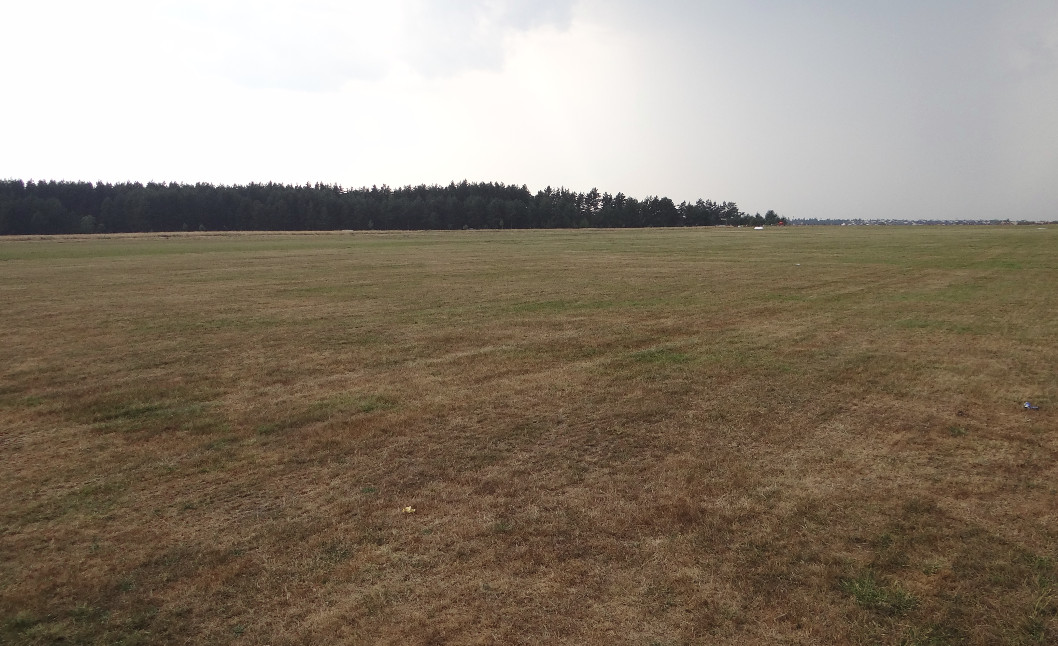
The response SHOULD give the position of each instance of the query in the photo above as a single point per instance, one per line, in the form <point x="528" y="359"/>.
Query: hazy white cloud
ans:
<point x="322" y="44"/>
<point x="451" y="37"/>
<point x="312" y="45"/>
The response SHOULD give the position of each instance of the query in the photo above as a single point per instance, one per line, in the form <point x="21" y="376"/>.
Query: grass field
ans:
<point x="797" y="436"/>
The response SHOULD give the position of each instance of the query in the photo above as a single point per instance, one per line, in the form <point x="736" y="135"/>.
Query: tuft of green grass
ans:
<point x="869" y="592"/>
<point x="336" y="408"/>
<point x="149" y="415"/>
<point x="21" y="621"/>
<point x="662" y="356"/>
<point x="372" y="403"/>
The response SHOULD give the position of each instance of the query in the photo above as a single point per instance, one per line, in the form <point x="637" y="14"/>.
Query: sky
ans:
<point x="936" y="109"/>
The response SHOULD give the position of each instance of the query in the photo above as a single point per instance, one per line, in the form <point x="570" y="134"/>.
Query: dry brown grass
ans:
<point x="798" y="436"/>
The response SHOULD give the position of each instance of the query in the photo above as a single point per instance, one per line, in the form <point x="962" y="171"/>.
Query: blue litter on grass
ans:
<point x="1029" y="406"/>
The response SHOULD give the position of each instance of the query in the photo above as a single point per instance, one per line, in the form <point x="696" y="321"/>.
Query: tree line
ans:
<point x="50" y="207"/>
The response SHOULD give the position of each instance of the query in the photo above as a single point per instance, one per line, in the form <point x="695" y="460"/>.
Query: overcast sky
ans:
<point x="841" y="108"/>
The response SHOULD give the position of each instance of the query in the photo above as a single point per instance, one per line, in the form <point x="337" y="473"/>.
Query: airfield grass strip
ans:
<point x="800" y="435"/>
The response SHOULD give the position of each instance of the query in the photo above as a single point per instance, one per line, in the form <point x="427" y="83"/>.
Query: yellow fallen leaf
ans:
<point x="409" y="510"/>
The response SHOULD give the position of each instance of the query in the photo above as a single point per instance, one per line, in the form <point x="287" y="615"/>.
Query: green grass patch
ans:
<point x="662" y="356"/>
<point x="874" y="595"/>
<point x="152" y="416"/>
<point x="338" y="407"/>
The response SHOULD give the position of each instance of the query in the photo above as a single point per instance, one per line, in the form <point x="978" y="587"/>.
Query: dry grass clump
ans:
<point x="799" y="436"/>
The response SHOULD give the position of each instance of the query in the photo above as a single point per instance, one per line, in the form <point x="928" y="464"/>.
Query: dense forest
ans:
<point x="32" y="208"/>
